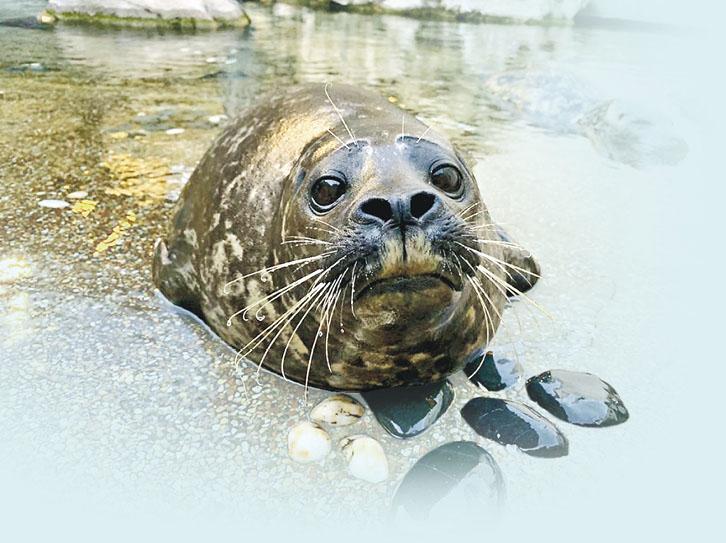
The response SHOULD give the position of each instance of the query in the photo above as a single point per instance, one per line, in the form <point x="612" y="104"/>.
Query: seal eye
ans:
<point x="447" y="178"/>
<point x="326" y="192"/>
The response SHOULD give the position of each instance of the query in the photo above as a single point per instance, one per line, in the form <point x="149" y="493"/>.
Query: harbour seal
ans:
<point x="336" y="240"/>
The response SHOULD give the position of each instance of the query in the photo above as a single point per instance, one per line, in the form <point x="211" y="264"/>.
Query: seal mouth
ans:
<point x="408" y="283"/>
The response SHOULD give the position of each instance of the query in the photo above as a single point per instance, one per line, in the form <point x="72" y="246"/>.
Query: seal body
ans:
<point x="334" y="239"/>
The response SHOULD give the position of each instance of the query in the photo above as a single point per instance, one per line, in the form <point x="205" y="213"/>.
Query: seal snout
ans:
<point x="397" y="210"/>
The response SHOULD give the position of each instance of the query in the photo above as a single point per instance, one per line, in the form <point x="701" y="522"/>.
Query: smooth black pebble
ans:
<point x="579" y="398"/>
<point x="459" y="475"/>
<point x="407" y="411"/>
<point x="493" y="373"/>
<point x="511" y="423"/>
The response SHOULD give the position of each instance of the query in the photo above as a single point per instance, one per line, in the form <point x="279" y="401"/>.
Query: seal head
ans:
<point x="339" y="242"/>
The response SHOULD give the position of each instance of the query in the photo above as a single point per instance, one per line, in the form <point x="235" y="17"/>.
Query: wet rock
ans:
<point x="31" y="67"/>
<point x="510" y="423"/>
<point x="493" y="373"/>
<point x="308" y="442"/>
<point x="191" y="13"/>
<point x="579" y="398"/>
<point x="366" y="459"/>
<point x="481" y="10"/>
<point x="338" y="410"/>
<point x="457" y="477"/>
<point x="407" y="411"/>
<point x="28" y="23"/>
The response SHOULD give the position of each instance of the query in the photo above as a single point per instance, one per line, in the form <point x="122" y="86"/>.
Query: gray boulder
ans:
<point x="194" y="13"/>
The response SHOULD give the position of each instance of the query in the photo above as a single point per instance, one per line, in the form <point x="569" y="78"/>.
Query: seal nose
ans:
<point x="406" y="209"/>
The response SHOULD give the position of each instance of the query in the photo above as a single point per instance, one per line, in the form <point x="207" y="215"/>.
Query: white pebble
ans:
<point x="366" y="459"/>
<point x="175" y="131"/>
<point x="216" y="119"/>
<point x="78" y="195"/>
<point x="338" y="410"/>
<point x="308" y="442"/>
<point x="55" y="204"/>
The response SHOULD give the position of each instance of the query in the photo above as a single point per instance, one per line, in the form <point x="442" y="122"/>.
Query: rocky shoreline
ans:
<point x="216" y="14"/>
<point x="181" y="14"/>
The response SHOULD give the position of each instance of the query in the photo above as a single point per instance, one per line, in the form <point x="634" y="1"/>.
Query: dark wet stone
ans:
<point x="579" y="398"/>
<point x="33" y="67"/>
<point x="28" y="23"/>
<point x="511" y="423"/>
<point x="493" y="373"/>
<point x="460" y="475"/>
<point x="407" y="411"/>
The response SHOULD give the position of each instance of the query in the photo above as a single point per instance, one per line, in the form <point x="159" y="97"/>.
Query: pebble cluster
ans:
<point x="310" y="442"/>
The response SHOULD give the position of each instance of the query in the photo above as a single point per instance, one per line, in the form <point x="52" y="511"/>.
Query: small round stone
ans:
<point x="308" y="442"/>
<point x="578" y="398"/>
<point x="512" y="423"/>
<point x="77" y="195"/>
<point x="366" y="458"/>
<point x="53" y="204"/>
<point x="338" y="410"/>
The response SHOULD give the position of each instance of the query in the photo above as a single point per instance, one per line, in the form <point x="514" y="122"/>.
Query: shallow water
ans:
<point x="114" y="404"/>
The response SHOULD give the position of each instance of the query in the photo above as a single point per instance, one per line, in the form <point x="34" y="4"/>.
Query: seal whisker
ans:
<point x="325" y="302"/>
<point x="500" y="243"/>
<point x="350" y="132"/>
<point x="480" y="288"/>
<point x="487" y="317"/>
<point x="506" y="285"/>
<point x="465" y="211"/>
<point x="272" y="296"/>
<point x="306" y="260"/>
<point x="257" y="340"/>
<point x="327" y="318"/>
<point x="282" y="323"/>
<point x="333" y="228"/>
<point x="424" y="133"/>
<point x="352" y="290"/>
<point x="499" y="262"/>
<point x="337" y="138"/>
<point x="293" y="239"/>
<point x="313" y="304"/>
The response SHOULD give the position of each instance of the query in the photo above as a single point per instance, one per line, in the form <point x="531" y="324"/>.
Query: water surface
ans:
<point x="114" y="404"/>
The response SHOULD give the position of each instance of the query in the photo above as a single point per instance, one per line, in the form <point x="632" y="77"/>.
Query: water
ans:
<point x="114" y="406"/>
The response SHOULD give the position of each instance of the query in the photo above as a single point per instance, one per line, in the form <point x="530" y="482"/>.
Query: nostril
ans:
<point x="378" y="208"/>
<point x="422" y="203"/>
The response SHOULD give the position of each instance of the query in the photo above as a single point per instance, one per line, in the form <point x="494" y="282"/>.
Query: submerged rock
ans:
<point x="634" y="135"/>
<point x="308" y="442"/>
<point x="511" y="423"/>
<point x="366" y="458"/>
<point x="407" y="411"/>
<point x="338" y="410"/>
<point x="457" y="477"/>
<point x="186" y="13"/>
<point x="579" y="398"/>
<point x="481" y="10"/>
<point x="492" y="373"/>
<point x="28" y="23"/>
